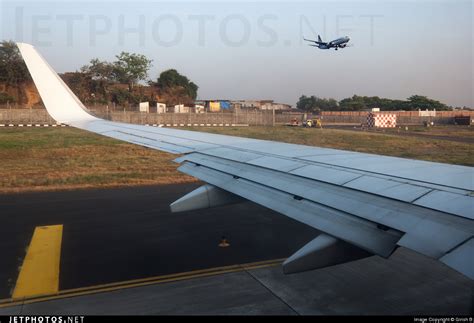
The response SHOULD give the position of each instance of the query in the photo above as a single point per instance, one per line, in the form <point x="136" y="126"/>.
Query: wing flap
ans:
<point x="430" y="232"/>
<point x="462" y="205"/>
<point x="461" y="258"/>
<point x="388" y="188"/>
<point x="433" y="239"/>
<point x="381" y="187"/>
<point x="405" y="169"/>
<point x="359" y="232"/>
<point x="362" y="204"/>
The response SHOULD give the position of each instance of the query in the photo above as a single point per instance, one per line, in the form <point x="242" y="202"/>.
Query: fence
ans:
<point x="25" y="116"/>
<point x="403" y="117"/>
<point x="11" y="115"/>
<point x="242" y="117"/>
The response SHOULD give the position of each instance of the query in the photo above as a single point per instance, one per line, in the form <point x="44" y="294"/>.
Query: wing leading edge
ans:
<point x="365" y="204"/>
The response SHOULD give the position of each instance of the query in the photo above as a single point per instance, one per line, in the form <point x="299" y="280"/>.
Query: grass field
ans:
<point x="68" y="158"/>
<point x="65" y="158"/>
<point x="458" y="132"/>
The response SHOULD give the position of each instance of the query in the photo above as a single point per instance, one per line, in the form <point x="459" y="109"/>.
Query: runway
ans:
<point x="123" y="252"/>
<point x="121" y="234"/>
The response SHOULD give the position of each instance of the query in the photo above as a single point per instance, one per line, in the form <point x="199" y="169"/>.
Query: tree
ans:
<point x="358" y="103"/>
<point x="418" y="102"/>
<point x="306" y="103"/>
<point x="6" y="98"/>
<point x="98" y="74"/>
<point x="88" y="90"/>
<point x="415" y="102"/>
<point x="131" y="68"/>
<point x="316" y="104"/>
<point x="96" y="77"/>
<point x="171" y="78"/>
<point x="99" y="70"/>
<point x="176" y="88"/>
<point x="13" y="69"/>
<point x="124" y="97"/>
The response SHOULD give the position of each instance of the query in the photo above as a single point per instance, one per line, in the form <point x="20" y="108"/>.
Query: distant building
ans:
<point x="427" y="113"/>
<point x="218" y="105"/>
<point x="371" y="110"/>
<point x="261" y="105"/>
<point x="180" y="108"/>
<point x="144" y="107"/>
<point x="160" y="108"/>
<point x="214" y="106"/>
<point x="199" y="108"/>
<point x="275" y="106"/>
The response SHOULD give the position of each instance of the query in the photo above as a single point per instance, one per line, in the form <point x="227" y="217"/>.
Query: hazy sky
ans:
<point x="254" y="49"/>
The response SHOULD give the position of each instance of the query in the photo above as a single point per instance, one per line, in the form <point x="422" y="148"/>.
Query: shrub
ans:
<point x="5" y="98"/>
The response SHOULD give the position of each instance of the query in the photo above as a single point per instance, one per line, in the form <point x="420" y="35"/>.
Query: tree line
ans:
<point x="358" y="103"/>
<point x="123" y="81"/>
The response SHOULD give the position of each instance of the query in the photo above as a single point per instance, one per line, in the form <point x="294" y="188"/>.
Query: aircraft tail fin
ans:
<point x="319" y="39"/>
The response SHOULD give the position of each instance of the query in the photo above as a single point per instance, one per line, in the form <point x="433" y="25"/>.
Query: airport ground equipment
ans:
<point x="313" y="123"/>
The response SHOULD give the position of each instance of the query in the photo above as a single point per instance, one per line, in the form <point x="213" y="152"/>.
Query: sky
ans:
<point x="254" y="49"/>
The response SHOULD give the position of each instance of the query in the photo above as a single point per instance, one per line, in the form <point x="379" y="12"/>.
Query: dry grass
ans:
<point x="424" y="148"/>
<point x="39" y="159"/>
<point x="66" y="158"/>
<point x="447" y="131"/>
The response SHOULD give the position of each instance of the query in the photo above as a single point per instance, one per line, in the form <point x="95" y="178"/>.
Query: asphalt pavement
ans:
<point x="113" y="235"/>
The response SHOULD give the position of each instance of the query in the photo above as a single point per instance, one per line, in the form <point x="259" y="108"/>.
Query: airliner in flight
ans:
<point x="336" y="44"/>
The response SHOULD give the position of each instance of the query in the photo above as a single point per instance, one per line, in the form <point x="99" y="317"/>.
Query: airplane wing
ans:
<point x="315" y="41"/>
<point x="364" y="204"/>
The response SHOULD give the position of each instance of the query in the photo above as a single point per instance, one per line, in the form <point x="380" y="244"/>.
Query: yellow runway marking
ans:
<point x="143" y="282"/>
<point x="39" y="274"/>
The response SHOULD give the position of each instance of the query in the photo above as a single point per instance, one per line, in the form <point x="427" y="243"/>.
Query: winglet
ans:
<point x="58" y="99"/>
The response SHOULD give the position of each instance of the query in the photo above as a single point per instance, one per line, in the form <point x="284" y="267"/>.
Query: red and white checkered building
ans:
<point x="379" y="120"/>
